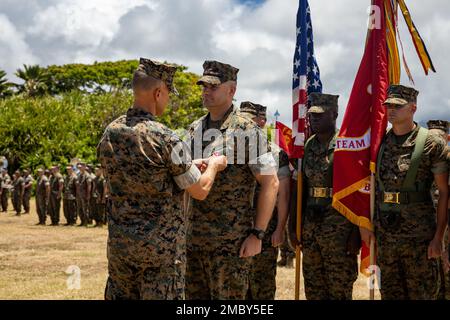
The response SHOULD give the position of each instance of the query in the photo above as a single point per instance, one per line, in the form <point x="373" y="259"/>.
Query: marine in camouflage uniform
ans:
<point x="18" y="189"/>
<point x="441" y="127"/>
<point x="409" y="237"/>
<point x="5" y="188"/>
<point x="12" y="191"/>
<point x="329" y="267"/>
<point x="42" y="196"/>
<point x="56" y="188"/>
<point x="147" y="178"/>
<point x="223" y="227"/>
<point x="262" y="285"/>
<point x="69" y="198"/>
<point x="78" y="192"/>
<point x="28" y="185"/>
<point x="84" y="194"/>
<point x="99" y="197"/>
<point x="91" y="202"/>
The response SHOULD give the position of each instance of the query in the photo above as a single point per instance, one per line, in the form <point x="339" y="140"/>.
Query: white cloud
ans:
<point x="13" y="49"/>
<point x="258" y="40"/>
<point x="84" y="23"/>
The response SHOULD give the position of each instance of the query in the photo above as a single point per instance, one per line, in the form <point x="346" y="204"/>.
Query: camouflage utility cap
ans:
<point x="253" y="109"/>
<point x="321" y="102"/>
<point x="438" y="124"/>
<point x="215" y="73"/>
<point x="401" y="95"/>
<point x="158" y="70"/>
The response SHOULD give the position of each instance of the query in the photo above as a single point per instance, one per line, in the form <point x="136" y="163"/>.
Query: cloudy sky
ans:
<point x="257" y="36"/>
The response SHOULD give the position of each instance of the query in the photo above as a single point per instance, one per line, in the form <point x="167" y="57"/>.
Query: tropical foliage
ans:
<point x="39" y="129"/>
<point x="5" y="86"/>
<point x="36" y="80"/>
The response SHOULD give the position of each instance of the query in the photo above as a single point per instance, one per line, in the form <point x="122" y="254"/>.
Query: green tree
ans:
<point x="187" y="106"/>
<point x="5" y="86"/>
<point x="36" y="80"/>
<point x="93" y="78"/>
<point x="42" y="130"/>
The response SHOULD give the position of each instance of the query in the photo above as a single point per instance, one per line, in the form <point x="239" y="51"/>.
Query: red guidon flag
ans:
<point x="363" y="128"/>
<point x="284" y="137"/>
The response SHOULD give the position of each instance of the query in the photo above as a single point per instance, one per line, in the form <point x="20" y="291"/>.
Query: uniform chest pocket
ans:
<point x="315" y="169"/>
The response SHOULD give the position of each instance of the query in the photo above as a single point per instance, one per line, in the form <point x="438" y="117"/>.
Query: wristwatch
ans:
<point x="257" y="233"/>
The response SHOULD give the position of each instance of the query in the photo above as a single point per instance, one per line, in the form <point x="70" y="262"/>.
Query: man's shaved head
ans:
<point x="142" y="81"/>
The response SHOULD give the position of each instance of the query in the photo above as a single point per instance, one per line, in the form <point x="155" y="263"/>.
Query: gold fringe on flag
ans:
<point x="421" y="49"/>
<point x="393" y="55"/>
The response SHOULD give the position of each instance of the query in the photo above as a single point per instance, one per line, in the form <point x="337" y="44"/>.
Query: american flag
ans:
<point x="306" y="76"/>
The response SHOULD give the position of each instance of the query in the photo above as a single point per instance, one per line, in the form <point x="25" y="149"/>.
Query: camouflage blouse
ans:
<point x="417" y="219"/>
<point x="221" y="222"/>
<point x="146" y="178"/>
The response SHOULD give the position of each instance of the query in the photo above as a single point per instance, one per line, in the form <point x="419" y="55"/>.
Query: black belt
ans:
<point x="405" y="197"/>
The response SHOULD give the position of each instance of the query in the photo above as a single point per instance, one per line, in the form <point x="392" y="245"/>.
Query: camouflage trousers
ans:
<point x="17" y="202"/>
<point x="83" y="211"/>
<point x="444" y="290"/>
<point x="212" y="276"/>
<point x="406" y="271"/>
<point x="26" y="201"/>
<point x="447" y="286"/>
<point x="263" y="273"/>
<point x="91" y="210"/>
<point x="4" y="199"/>
<point x="41" y="209"/>
<point x="128" y="280"/>
<point x="79" y="207"/>
<point x="328" y="271"/>
<point x="70" y="210"/>
<point x="99" y="213"/>
<point x="54" y="209"/>
<point x="108" y="208"/>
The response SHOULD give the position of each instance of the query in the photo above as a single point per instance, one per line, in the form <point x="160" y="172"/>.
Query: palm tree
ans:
<point x="5" y="86"/>
<point x="35" y="80"/>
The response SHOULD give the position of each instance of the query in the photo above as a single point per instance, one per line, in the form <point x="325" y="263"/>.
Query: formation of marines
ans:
<point x="203" y="217"/>
<point x="83" y="194"/>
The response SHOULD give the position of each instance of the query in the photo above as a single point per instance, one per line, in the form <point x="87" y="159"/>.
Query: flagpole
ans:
<point x="276" y="114"/>
<point x="372" y="242"/>
<point x="298" y="254"/>
<point x="306" y="79"/>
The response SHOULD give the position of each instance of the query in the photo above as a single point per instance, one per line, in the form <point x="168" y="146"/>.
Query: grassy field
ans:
<point x="34" y="260"/>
